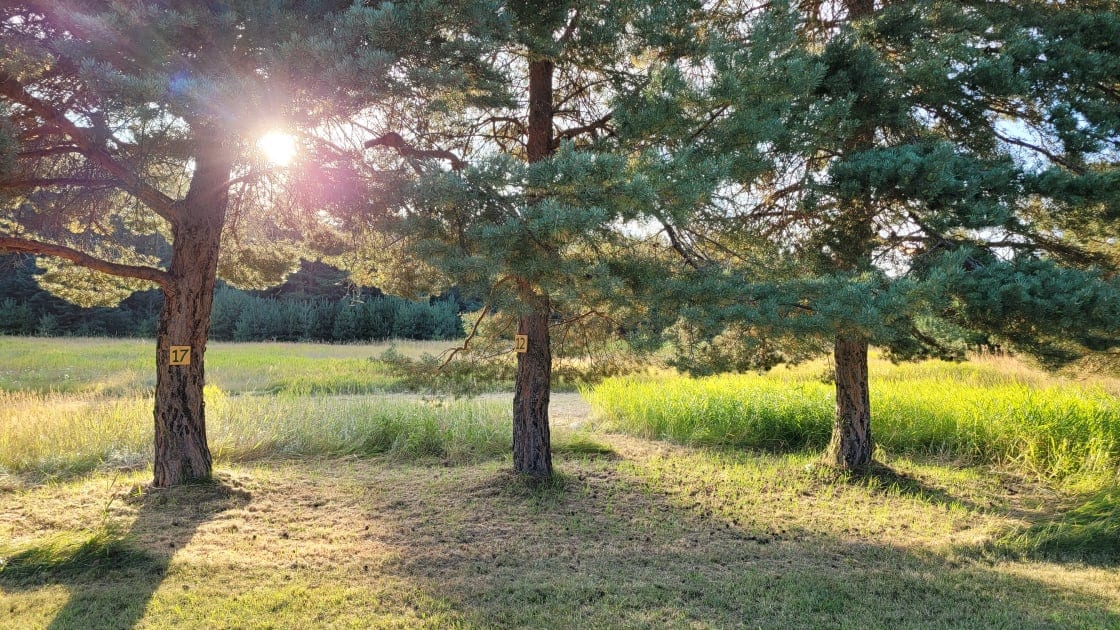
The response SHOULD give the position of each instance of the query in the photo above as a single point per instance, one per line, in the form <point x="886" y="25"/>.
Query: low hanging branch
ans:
<point x="27" y="246"/>
<point x="41" y="182"/>
<point x="394" y="140"/>
<point x="466" y="342"/>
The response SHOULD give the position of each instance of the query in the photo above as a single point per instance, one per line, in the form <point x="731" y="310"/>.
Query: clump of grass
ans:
<point x="745" y="411"/>
<point x="249" y="427"/>
<point x="579" y="443"/>
<point x="1041" y="425"/>
<point x="1052" y="431"/>
<point x="59" y="434"/>
<point x="1090" y="532"/>
<point x="66" y="555"/>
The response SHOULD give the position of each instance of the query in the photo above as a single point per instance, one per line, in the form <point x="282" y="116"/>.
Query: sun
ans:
<point x="278" y="147"/>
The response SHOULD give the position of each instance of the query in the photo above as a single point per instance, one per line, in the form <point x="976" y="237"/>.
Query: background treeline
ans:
<point x="315" y="304"/>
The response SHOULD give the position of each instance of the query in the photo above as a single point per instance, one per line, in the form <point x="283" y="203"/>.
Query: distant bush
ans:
<point x="48" y="326"/>
<point x="373" y="319"/>
<point x="15" y="318"/>
<point x="226" y="310"/>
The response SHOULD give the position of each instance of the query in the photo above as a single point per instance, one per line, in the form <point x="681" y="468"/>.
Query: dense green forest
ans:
<point x="316" y="303"/>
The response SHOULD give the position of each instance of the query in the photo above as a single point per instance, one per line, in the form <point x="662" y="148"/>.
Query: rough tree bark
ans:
<point x="851" y="445"/>
<point x="532" y="450"/>
<point x="181" y="451"/>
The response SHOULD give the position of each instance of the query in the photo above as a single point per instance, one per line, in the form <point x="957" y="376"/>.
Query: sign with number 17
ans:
<point x="180" y="355"/>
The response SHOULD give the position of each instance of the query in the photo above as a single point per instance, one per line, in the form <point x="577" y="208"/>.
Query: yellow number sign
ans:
<point x="521" y="343"/>
<point x="180" y="355"/>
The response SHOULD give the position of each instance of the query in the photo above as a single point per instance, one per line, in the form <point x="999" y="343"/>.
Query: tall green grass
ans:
<point x="976" y="413"/>
<point x="59" y="434"/>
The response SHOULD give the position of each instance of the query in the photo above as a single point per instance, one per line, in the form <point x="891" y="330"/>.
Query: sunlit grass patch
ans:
<point x="579" y="443"/>
<point x="63" y="434"/>
<point x="1038" y="424"/>
<point x="56" y="434"/>
<point x="126" y="367"/>
<point x="73" y="365"/>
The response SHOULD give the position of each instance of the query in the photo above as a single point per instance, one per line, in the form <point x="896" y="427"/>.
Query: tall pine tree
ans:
<point x="128" y="141"/>
<point x="946" y="175"/>
<point x="525" y="203"/>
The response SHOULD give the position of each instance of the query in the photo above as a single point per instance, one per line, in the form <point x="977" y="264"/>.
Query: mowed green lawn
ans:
<point x="337" y="507"/>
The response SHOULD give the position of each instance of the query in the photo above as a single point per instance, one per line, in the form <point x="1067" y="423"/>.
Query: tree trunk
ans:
<point x="851" y="445"/>
<point x="539" y="144"/>
<point x="532" y="450"/>
<point x="181" y="451"/>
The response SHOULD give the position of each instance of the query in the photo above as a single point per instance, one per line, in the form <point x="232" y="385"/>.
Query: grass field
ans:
<point x="357" y="509"/>
<point x="127" y="366"/>
<point x="995" y="411"/>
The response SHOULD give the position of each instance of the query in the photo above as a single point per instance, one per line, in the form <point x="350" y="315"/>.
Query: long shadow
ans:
<point x="113" y="575"/>
<point x="601" y="548"/>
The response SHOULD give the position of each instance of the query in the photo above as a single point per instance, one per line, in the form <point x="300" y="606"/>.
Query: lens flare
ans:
<point x="278" y="147"/>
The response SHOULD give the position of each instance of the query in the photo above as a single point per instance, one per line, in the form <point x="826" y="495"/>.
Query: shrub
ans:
<point x="15" y="318"/>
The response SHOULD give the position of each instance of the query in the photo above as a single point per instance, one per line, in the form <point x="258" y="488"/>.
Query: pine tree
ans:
<point x="947" y="174"/>
<point x="524" y="203"/>
<point x="128" y="147"/>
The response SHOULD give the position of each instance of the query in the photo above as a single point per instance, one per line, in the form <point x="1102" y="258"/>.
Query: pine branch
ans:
<point x="36" y="182"/>
<point x="28" y="246"/>
<point x="679" y="246"/>
<point x="94" y="151"/>
<point x="49" y="151"/>
<point x="570" y="29"/>
<point x="466" y="342"/>
<point x="596" y="125"/>
<point x="394" y="140"/>
<point x="582" y="316"/>
<point x="1053" y="157"/>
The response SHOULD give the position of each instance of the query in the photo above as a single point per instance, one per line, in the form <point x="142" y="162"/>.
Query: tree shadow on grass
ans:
<point x="113" y="574"/>
<point x="597" y="548"/>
